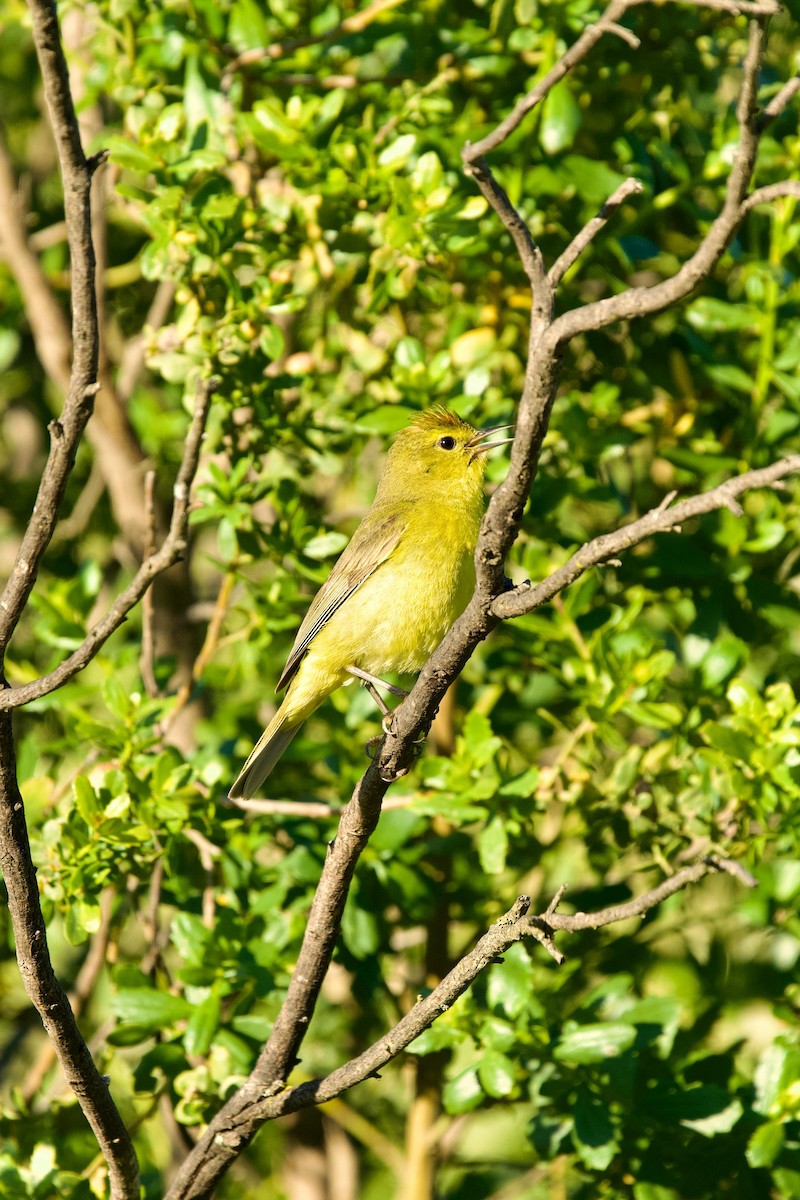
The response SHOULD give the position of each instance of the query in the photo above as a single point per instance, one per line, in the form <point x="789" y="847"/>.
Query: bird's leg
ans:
<point x="372" y="683"/>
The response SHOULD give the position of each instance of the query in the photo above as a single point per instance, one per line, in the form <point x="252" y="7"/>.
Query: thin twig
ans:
<point x="306" y="808"/>
<point x="779" y="102"/>
<point x="147" y="652"/>
<point x="644" y="301"/>
<point x="172" y="549"/>
<point x="630" y="187"/>
<point x="770" y="192"/>
<point x="526" y="598"/>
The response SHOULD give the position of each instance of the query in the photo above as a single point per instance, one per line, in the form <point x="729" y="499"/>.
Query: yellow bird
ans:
<point x="398" y="586"/>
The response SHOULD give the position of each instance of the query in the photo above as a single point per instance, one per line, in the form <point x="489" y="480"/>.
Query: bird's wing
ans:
<point x="372" y="543"/>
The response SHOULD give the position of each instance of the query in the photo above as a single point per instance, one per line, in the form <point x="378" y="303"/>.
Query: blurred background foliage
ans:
<point x="284" y="205"/>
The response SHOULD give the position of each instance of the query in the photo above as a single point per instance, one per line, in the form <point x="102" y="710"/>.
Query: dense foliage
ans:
<point x="337" y="271"/>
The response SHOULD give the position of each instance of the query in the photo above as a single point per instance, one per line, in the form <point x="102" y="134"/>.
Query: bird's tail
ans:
<point x="268" y="749"/>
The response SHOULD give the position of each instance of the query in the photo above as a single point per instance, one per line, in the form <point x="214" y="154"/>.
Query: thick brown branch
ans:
<point x="171" y="551"/>
<point x="65" y="433"/>
<point x="513" y="927"/>
<point x="238" y="1121"/>
<point x="79" y="994"/>
<point x="525" y="598"/>
<point x="43" y="988"/>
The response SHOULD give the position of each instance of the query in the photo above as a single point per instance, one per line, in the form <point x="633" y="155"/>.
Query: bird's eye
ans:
<point x="447" y="443"/>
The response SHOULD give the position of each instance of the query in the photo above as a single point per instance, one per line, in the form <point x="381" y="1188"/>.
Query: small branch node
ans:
<point x="627" y="35"/>
<point x="730" y="867"/>
<point x="539" y="929"/>
<point x="554" y="903"/>
<point x="96" y="160"/>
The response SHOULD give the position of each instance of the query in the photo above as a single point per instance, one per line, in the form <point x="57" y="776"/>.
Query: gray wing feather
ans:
<point x="372" y="543"/>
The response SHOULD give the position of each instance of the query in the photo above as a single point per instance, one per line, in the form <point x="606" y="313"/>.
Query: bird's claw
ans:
<point x="392" y="776"/>
<point x="373" y="745"/>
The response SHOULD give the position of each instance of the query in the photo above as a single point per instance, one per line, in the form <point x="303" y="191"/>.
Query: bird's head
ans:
<point x="438" y="454"/>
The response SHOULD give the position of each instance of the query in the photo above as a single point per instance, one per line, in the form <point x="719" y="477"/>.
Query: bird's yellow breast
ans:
<point x="399" y="615"/>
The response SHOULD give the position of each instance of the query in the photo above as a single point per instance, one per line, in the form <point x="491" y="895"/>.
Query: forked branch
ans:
<point x="170" y="551"/>
<point x="265" y="1094"/>
<point x="30" y="934"/>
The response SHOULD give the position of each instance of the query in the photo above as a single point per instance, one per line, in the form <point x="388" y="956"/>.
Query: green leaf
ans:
<point x="397" y="153"/>
<point x="496" y="1074"/>
<point x="462" y="1093"/>
<point x="325" y="545"/>
<point x="493" y="846"/>
<point x="227" y="541"/>
<point x="388" y="418"/>
<point x="509" y="982"/>
<point x="253" y="1026"/>
<point x="202" y="1025"/>
<point x="247" y="26"/>
<point x="593" y="1131"/>
<point x="130" y="154"/>
<point x="190" y="937"/>
<point x="87" y="801"/>
<point x="732" y="742"/>
<point x="595" y="1043"/>
<point x="561" y="119"/>
<point x="715" y="316"/>
<point x="778" y="1066"/>
<point x="359" y="930"/>
<point x="766" y="1144"/>
<point x="147" y="1007"/>
<point x="440" y="1036"/>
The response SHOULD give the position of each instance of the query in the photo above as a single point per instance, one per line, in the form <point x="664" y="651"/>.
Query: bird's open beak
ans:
<point x="478" y="445"/>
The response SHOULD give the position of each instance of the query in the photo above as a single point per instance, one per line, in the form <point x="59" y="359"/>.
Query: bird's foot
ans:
<point x="372" y="683"/>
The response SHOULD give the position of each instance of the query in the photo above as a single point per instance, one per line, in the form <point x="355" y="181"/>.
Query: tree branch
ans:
<point x="770" y="192"/>
<point x="30" y="933"/>
<point x="645" y="301"/>
<point x="570" y="256"/>
<point x="525" y="598"/>
<point x="264" y="1094"/>
<point x="170" y="552"/>
<point x="65" y="433"/>
<point x="78" y="995"/>
<point x="779" y="102"/>
<point x="515" y="925"/>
